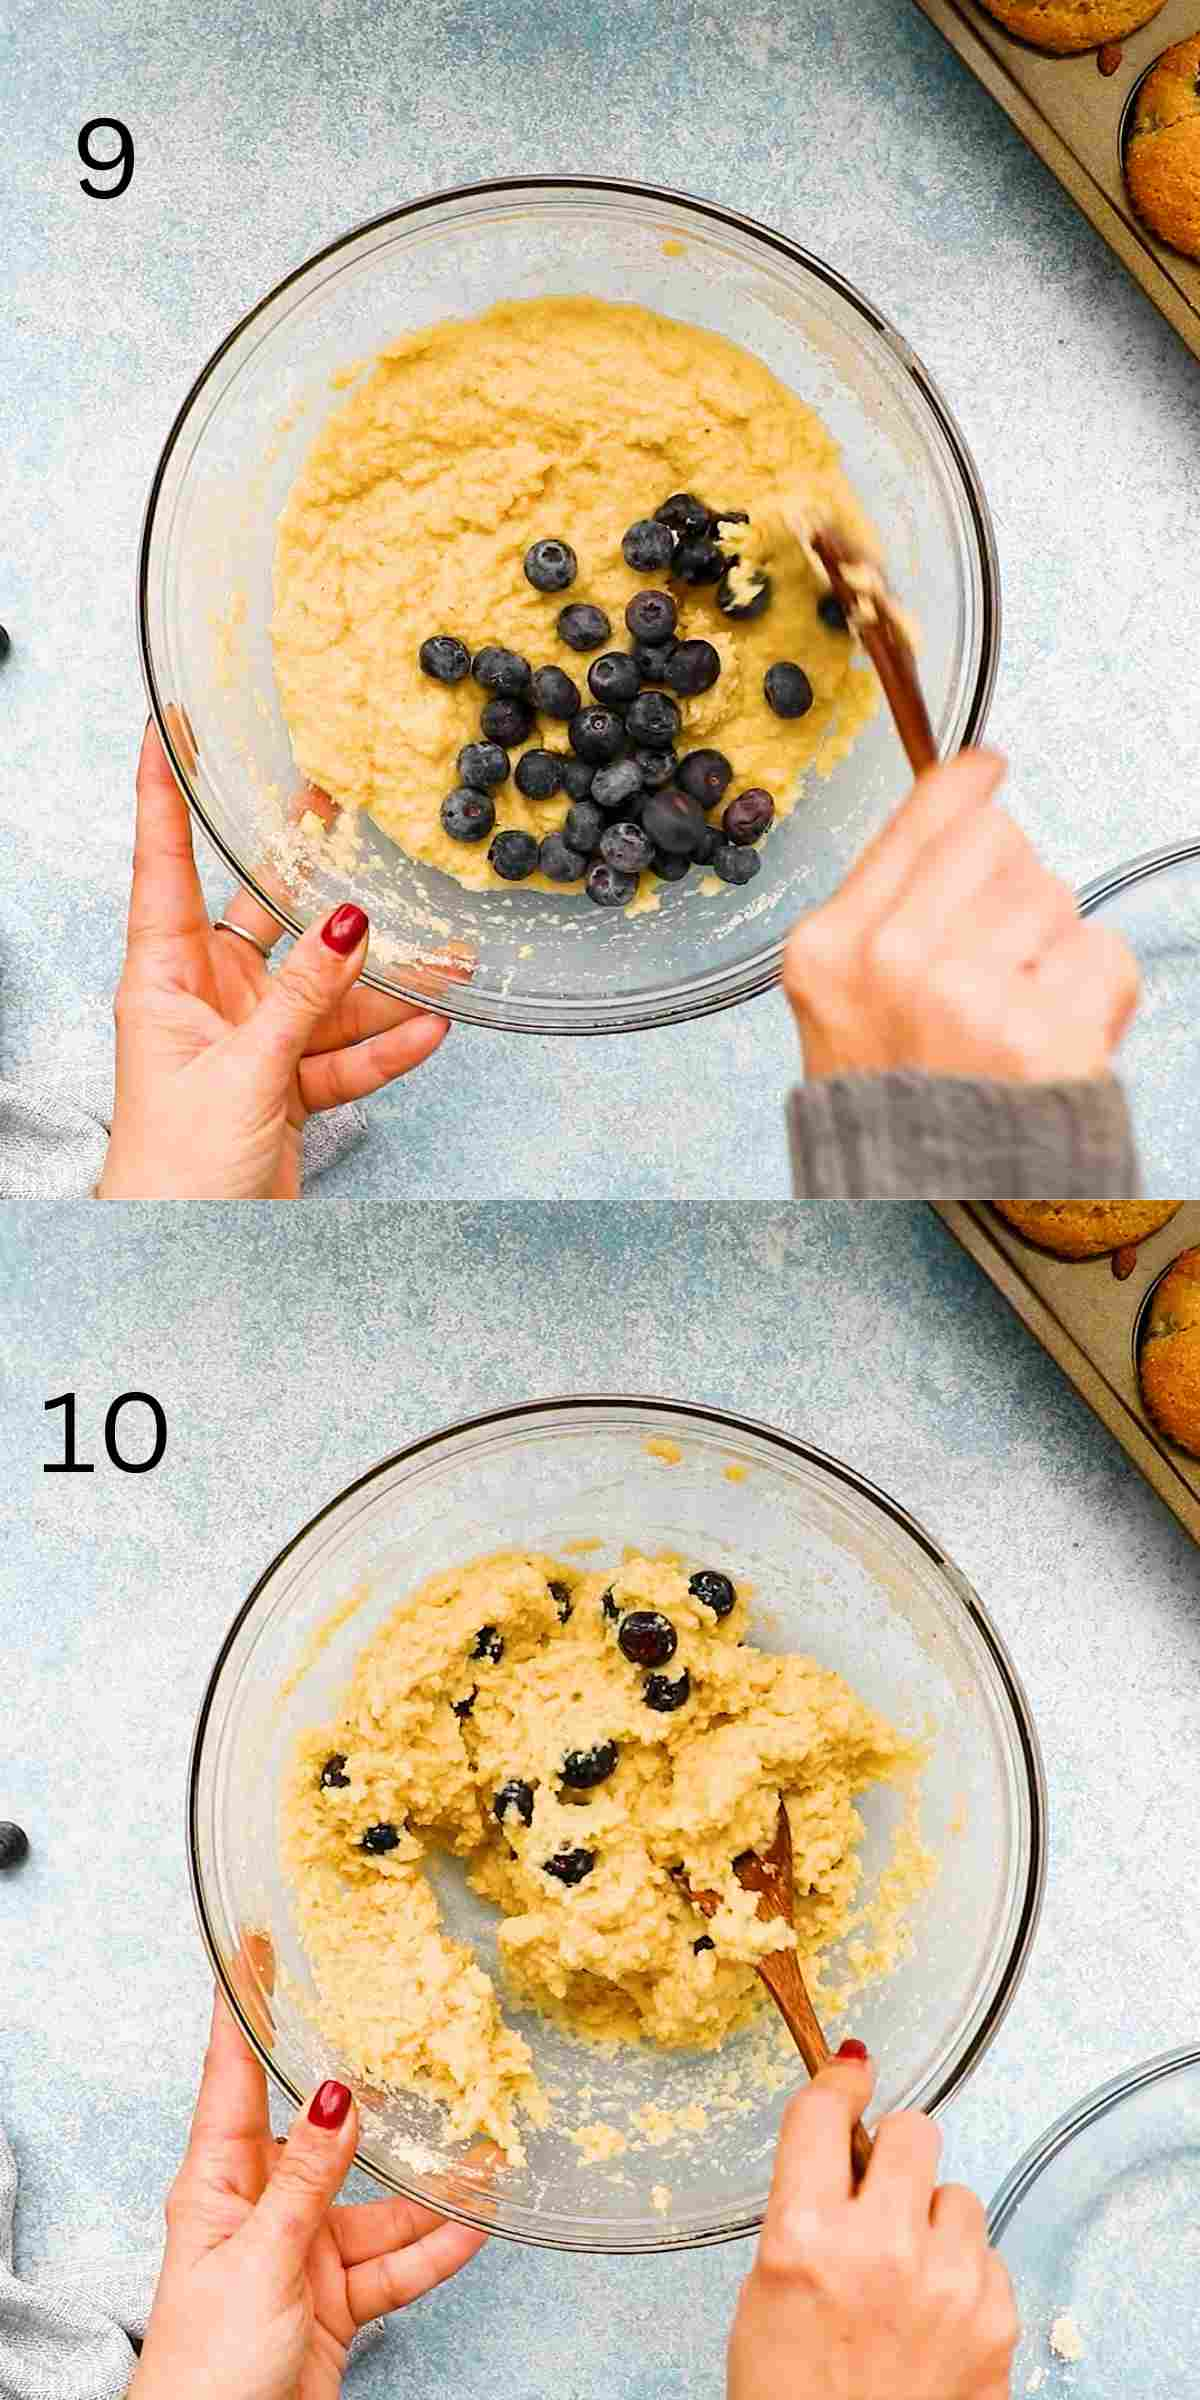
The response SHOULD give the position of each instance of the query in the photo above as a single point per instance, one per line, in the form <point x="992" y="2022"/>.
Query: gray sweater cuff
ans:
<point x="932" y="1137"/>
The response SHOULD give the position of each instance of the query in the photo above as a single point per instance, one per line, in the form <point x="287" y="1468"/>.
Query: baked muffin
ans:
<point x="1085" y="1228"/>
<point x="1162" y="149"/>
<point x="1169" y="1365"/>
<point x="1065" y="25"/>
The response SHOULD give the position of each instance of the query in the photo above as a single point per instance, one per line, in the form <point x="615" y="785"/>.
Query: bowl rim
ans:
<point x="757" y="977"/>
<point x="1099" y="2102"/>
<point x="1115" y="880"/>
<point x="1030" y="1764"/>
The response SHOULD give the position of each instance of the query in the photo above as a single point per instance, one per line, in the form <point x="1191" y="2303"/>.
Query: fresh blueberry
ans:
<point x="582" y="1769"/>
<point x="333" y="1773"/>
<point x="746" y="819"/>
<point x="647" y="546"/>
<point x="561" y="1596"/>
<point x="788" y="689"/>
<point x="539" y="774"/>
<point x="583" y="627"/>
<point x="653" y="721"/>
<point x="607" y="886"/>
<point x="701" y="561"/>
<point x="652" y="617"/>
<point x="570" y="1866"/>
<point x="443" y="657"/>
<point x="482" y="765"/>
<point x="674" y="822"/>
<point x="608" y="1607"/>
<point x="467" y="815"/>
<point x="713" y="1590"/>
<point x="733" y="864"/>
<point x="514" y="855"/>
<point x="703" y="1942"/>
<point x="652" y="659"/>
<point x="550" y="566"/>
<point x="489" y="1644"/>
<point x="656" y="768"/>
<point x="506" y="722"/>
<point x="554" y="694"/>
<point x="693" y="667"/>
<point x="14" y="1841"/>
<point x="670" y="868"/>
<point x="731" y="606"/>
<point x="704" y="776"/>
<point x="613" y="786"/>
<point x="583" y="826"/>
<point x="379" y="1838"/>
<point x="558" y="861"/>
<point x="660" y="1693"/>
<point x="462" y="1708"/>
<point x="577" y="777"/>
<point x="502" y="671"/>
<point x="516" y="1796"/>
<point x="686" y="516"/>
<point x="831" y="613"/>
<point x="6" y="646"/>
<point x="647" y="1638"/>
<point x="613" y="678"/>
<point x="707" y="847"/>
<point x="597" y="734"/>
<point x="625" y="847"/>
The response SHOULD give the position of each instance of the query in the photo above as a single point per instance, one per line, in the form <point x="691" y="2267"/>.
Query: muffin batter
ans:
<point x="499" y="1715"/>
<point x="469" y="441"/>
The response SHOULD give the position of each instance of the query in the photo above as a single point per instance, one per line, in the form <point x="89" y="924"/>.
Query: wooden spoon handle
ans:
<point x="784" y="1979"/>
<point x="890" y="655"/>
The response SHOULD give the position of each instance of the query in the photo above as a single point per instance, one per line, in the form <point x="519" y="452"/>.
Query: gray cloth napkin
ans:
<point x="943" y="1137"/>
<point x="54" y="1132"/>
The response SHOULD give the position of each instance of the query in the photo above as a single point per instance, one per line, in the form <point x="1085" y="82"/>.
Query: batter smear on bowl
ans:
<point x="534" y="564"/>
<point x="586" y="1744"/>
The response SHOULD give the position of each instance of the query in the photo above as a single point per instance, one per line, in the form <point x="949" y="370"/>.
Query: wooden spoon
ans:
<point x="856" y="581"/>
<point x="769" y="1873"/>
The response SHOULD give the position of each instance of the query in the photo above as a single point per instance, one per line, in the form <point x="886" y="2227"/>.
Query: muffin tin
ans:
<point x="1090" y="1322"/>
<point x="1075" y="118"/>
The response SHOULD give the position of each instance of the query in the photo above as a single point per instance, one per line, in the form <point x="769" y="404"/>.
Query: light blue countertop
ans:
<point x="262" y="133"/>
<point x="293" y="1348"/>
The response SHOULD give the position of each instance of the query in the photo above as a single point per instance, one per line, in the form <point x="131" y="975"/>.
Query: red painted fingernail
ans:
<point x="343" y="932"/>
<point x="329" y="2107"/>
<point x="853" y="2049"/>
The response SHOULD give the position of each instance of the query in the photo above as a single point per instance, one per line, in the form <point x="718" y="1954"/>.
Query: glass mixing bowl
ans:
<point x="546" y="963"/>
<point x="839" y="1571"/>
<point x="1155" y="902"/>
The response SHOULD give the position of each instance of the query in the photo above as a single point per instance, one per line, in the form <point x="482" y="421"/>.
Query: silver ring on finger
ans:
<point x="222" y="925"/>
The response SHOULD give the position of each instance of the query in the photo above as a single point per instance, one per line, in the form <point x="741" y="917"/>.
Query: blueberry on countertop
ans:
<point x="733" y="864"/>
<point x="613" y="786"/>
<point x="607" y="886"/>
<point x="686" y="516"/>
<point x="597" y="734"/>
<point x="570" y="1866"/>
<point x="558" y="861"/>
<point x="674" y="822"/>
<point x="651" y="617"/>
<point x="647" y="546"/>
<point x="550" y="565"/>
<point x="746" y="819"/>
<point x="693" y="667"/>
<point x="482" y="765"/>
<point x="506" y="722"/>
<point x="333" y="1773"/>
<point x="468" y="815"/>
<point x="489" y="1643"/>
<point x="625" y="847"/>
<point x="704" y="775"/>
<point x="831" y="613"/>
<point x="514" y="855"/>
<point x="583" y="627"/>
<point x="379" y="1838"/>
<point x="14" y="1845"/>
<point x="652" y="721"/>
<point x="539" y="774"/>
<point x="554" y="694"/>
<point x="713" y="1590"/>
<point x="516" y="1796"/>
<point x="743" y="609"/>
<point x="502" y="671"/>
<point x="582" y="1769"/>
<point x="660" y="1693"/>
<point x="647" y="1638"/>
<point x="583" y="826"/>
<point x="443" y="657"/>
<point x="613" y="679"/>
<point x="788" y="689"/>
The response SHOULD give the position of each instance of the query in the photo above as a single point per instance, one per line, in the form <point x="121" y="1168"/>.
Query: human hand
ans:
<point x="218" y="1063"/>
<point x="951" y="950"/>
<point x="264" y="2284"/>
<point x="887" y="2293"/>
